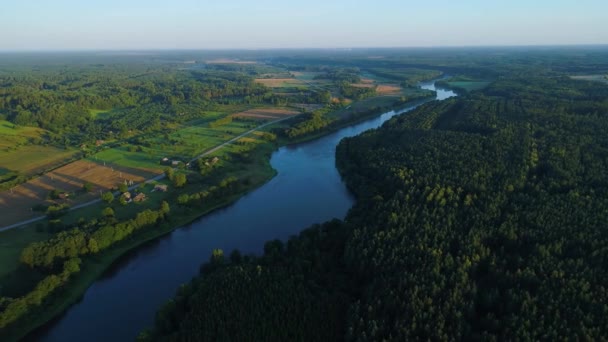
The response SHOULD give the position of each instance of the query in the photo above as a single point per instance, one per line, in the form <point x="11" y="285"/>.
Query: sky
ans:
<point x="254" y="24"/>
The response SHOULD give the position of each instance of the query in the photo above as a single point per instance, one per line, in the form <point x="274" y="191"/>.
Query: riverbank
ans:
<point x="97" y="265"/>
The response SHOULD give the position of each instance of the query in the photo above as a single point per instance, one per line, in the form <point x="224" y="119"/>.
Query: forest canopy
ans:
<point x="481" y="217"/>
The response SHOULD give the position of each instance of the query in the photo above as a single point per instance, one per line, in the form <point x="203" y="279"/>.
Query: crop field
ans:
<point x="308" y="107"/>
<point x="265" y="113"/>
<point x="280" y="82"/>
<point x="16" y="204"/>
<point x="388" y="89"/>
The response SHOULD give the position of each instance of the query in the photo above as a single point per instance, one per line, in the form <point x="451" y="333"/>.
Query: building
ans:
<point x="160" y="187"/>
<point x="140" y="197"/>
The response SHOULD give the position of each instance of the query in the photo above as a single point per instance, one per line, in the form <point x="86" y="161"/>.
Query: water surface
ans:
<point x="306" y="190"/>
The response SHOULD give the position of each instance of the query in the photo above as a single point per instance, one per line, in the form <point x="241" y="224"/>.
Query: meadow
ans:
<point x="21" y="150"/>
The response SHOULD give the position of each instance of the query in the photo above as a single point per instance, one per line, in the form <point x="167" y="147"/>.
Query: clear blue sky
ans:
<point x="215" y="24"/>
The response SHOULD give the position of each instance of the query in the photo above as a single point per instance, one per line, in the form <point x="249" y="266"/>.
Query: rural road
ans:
<point x="156" y="178"/>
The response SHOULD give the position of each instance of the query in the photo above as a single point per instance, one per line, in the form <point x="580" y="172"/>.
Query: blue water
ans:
<point x="306" y="190"/>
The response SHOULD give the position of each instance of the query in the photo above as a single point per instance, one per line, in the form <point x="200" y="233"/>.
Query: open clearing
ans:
<point x="17" y="154"/>
<point x="32" y="159"/>
<point x="388" y="89"/>
<point x="16" y="205"/>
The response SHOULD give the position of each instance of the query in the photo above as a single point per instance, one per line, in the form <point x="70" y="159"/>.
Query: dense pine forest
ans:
<point x="477" y="218"/>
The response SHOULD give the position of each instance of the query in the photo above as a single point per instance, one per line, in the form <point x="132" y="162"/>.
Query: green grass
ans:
<point x="30" y="159"/>
<point x="17" y="153"/>
<point x="122" y="156"/>
<point x="8" y="128"/>
<point x="185" y="143"/>
<point x="12" y="243"/>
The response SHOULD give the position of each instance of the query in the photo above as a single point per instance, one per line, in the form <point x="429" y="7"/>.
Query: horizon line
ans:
<point x="157" y="49"/>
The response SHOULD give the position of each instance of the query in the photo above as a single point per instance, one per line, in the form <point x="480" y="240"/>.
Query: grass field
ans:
<point x="31" y="159"/>
<point x="12" y="243"/>
<point x="18" y="154"/>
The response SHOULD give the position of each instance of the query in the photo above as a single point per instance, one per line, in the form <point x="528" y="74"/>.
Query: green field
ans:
<point x="18" y="154"/>
<point x="12" y="243"/>
<point x="183" y="144"/>
<point x="12" y="136"/>
<point x="30" y="159"/>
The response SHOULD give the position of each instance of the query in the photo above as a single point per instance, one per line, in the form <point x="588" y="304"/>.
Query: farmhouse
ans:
<point x="160" y="187"/>
<point x="140" y="197"/>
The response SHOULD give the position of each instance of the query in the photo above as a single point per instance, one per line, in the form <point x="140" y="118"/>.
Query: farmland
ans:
<point x="16" y="204"/>
<point x="280" y="82"/>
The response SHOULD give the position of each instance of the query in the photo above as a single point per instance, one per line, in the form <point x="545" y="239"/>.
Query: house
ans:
<point x="140" y="197"/>
<point x="160" y="187"/>
<point x="99" y="142"/>
<point x="127" y="195"/>
<point x="165" y="160"/>
<point x="215" y="160"/>
<point x="63" y="195"/>
<point x="175" y="162"/>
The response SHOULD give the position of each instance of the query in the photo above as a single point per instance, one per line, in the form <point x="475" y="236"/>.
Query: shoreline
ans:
<point x="95" y="266"/>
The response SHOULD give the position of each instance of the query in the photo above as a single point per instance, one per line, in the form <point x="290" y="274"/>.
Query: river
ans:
<point x="306" y="190"/>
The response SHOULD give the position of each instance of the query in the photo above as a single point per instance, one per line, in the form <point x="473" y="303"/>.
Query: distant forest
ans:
<point x="482" y="217"/>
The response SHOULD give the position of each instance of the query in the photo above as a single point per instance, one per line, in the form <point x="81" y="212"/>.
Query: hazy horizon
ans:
<point x="70" y="25"/>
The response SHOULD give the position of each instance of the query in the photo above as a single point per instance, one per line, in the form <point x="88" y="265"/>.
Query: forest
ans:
<point x="477" y="218"/>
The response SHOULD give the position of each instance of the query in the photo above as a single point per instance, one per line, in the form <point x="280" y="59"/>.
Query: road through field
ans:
<point x="155" y="178"/>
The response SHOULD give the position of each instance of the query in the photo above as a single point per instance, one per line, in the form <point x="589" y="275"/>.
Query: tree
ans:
<point x="107" y="197"/>
<point x="108" y="212"/>
<point x="169" y="173"/>
<point x="54" y="194"/>
<point x="183" y="199"/>
<point x="122" y="187"/>
<point x="180" y="180"/>
<point x="122" y="200"/>
<point x="87" y="187"/>
<point x="217" y="257"/>
<point x="236" y="257"/>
